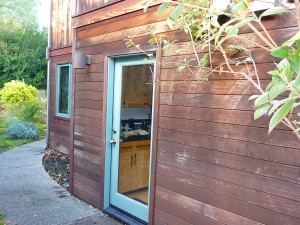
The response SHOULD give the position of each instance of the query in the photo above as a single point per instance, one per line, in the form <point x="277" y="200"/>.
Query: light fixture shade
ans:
<point x="79" y="60"/>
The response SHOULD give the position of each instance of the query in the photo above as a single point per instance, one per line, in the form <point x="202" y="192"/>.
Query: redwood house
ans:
<point x="146" y="144"/>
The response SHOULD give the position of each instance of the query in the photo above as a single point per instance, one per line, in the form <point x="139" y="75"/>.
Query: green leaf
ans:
<point x="274" y="73"/>
<point x="273" y="11"/>
<point x="282" y="52"/>
<point x="214" y="21"/>
<point x="243" y="23"/>
<point x="298" y="44"/>
<point x="280" y="114"/>
<point x="240" y="6"/>
<point x="162" y="8"/>
<point x="295" y="63"/>
<point x="276" y="104"/>
<point x="204" y="60"/>
<point x="277" y="89"/>
<point x="262" y="110"/>
<point x="222" y="29"/>
<point x="261" y="100"/>
<point x="176" y="13"/>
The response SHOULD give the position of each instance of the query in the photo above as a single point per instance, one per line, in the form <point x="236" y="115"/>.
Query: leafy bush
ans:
<point x="20" y="100"/>
<point x="15" y="93"/>
<point x="22" y="130"/>
<point x="9" y="120"/>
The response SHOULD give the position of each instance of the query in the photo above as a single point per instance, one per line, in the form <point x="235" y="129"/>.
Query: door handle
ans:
<point x="113" y="141"/>
<point x="135" y="159"/>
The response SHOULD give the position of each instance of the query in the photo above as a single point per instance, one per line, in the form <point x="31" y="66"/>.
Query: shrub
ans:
<point x="20" y="100"/>
<point x="22" y="130"/>
<point x="16" y="93"/>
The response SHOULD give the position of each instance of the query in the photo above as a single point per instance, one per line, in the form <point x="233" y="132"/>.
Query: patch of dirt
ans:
<point x="57" y="165"/>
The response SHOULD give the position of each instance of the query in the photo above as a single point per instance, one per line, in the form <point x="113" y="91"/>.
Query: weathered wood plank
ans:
<point x="108" y="12"/>
<point x="91" y="175"/>
<point x="260" y="167"/>
<point x="88" y="139"/>
<point x="235" y="102"/>
<point x="91" y="122"/>
<point x="95" y="150"/>
<point x="89" y="104"/>
<point x="250" y="196"/>
<point x="244" y="118"/>
<point x="93" y="131"/>
<point x="89" y="76"/>
<point x="212" y="212"/>
<point x="142" y="30"/>
<point x="196" y="74"/>
<point x="87" y="182"/>
<point x="89" y="113"/>
<point x="243" y="209"/>
<point x="236" y="132"/>
<point x="227" y="87"/>
<point x="128" y="21"/>
<point x="185" y="214"/>
<point x="90" y="95"/>
<point x="87" y="194"/>
<point x="166" y="218"/>
<point x="89" y="86"/>
<point x="283" y="155"/>
<point x="256" y="182"/>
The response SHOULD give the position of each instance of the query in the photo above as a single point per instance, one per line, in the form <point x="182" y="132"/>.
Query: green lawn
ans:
<point x="6" y="144"/>
<point x="1" y="219"/>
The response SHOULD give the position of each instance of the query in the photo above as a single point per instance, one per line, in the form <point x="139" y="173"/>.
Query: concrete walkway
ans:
<point x="28" y="196"/>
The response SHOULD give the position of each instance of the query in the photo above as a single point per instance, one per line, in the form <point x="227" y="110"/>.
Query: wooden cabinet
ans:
<point x="134" y="165"/>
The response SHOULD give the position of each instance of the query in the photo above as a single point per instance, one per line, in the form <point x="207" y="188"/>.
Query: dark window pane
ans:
<point x="63" y="106"/>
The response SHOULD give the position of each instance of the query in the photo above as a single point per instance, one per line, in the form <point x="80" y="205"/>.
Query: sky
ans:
<point x="44" y="13"/>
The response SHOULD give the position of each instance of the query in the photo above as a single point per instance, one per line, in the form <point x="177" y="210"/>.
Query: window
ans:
<point x="63" y="90"/>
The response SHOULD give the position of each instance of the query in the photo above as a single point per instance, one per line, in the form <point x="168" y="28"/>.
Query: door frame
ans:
<point x="107" y="114"/>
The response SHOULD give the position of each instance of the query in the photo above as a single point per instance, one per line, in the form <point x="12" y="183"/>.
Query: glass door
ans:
<point x="131" y="135"/>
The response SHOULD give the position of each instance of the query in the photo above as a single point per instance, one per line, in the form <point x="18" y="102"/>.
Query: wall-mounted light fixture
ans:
<point x="81" y="60"/>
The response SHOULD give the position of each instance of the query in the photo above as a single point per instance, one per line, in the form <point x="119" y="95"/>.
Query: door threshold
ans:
<point x="123" y="216"/>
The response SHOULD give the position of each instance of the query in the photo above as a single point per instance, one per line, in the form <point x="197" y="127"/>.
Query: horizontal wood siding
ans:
<point x="59" y="127"/>
<point x="88" y="149"/>
<point x="82" y="6"/>
<point x="215" y="165"/>
<point x="61" y="23"/>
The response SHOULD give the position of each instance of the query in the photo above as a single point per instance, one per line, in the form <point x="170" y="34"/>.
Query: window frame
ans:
<point x="58" y="77"/>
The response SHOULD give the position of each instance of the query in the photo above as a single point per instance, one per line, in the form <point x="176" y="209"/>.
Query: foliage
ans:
<point x="22" y="43"/>
<point x="22" y="130"/>
<point x="20" y="100"/>
<point x="1" y="219"/>
<point x="6" y="144"/>
<point x="22" y="55"/>
<point x="208" y="37"/>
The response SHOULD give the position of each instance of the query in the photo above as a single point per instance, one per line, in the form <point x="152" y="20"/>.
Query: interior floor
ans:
<point x="141" y="196"/>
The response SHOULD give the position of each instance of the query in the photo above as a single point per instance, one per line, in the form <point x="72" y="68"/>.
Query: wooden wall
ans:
<point x="215" y="165"/>
<point x="59" y="128"/>
<point x="82" y="6"/>
<point x="61" y="23"/>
